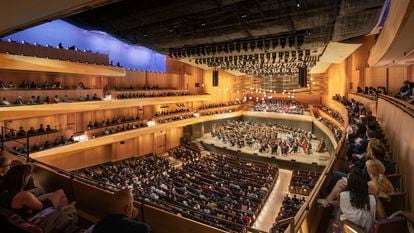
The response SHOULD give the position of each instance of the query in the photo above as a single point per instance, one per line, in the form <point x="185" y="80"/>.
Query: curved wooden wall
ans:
<point x="398" y="124"/>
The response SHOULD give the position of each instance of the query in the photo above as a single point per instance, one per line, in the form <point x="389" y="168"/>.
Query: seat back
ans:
<point x="396" y="224"/>
<point x="396" y="203"/>
<point x="350" y="227"/>
<point x="395" y="180"/>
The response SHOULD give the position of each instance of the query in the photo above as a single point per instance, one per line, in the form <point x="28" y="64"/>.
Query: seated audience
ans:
<point x="279" y="106"/>
<point x="356" y="204"/>
<point x="12" y="197"/>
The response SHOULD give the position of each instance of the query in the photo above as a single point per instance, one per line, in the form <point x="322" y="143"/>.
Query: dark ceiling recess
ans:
<point x="220" y="30"/>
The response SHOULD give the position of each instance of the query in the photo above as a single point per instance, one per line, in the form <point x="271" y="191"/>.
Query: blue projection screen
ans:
<point x="59" y="31"/>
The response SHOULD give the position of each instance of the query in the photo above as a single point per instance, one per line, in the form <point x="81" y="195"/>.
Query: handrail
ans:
<point x="370" y="97"/>
<point x="404" y="106"/>
<point x="301" y="215"/>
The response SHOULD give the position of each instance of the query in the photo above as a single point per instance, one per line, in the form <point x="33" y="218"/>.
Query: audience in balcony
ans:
<point x="279" y="106"/>
<point x="56" y="99"/>
<point x="335" y="129"/>
<point x="171" y="112"/>
<point x="406" y="92"/>
<point x="331" y="112"/>
<point x="58" y="141"/>
<point x="26" y="85"/>
<point x="362" y="188"/>
<point x="145" y="87"/>
<point x="12" y="134"/>
<point x="208" y="113"/>
<point x="372" y="91"/>
<point x="13" y="196"/>
<point x="218" y="105"/>
<point x="356" y="204"/>
<point x="153" y="94"/>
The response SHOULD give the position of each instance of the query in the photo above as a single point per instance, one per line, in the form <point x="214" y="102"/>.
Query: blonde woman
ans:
<point x="379" y="185"/>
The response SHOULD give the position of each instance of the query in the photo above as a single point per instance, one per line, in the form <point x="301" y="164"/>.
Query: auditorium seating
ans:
<point x="335" y="129"/>
<point x="290" y="206"/>
<point x="218" y="105"/>
<point x="302" y="182"/>
<point x="217" y="189"/>
<point x="333" y="113"/>
<point x="147" y="94"/>
<point x="279" y="106"/>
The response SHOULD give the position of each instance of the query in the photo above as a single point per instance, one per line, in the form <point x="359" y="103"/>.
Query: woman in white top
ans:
<point x="356" y="204"/>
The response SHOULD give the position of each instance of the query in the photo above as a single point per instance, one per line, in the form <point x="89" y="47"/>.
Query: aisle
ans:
<point x="272" y="206"/>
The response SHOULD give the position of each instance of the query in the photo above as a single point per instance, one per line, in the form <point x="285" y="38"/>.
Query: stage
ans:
<point x="313" y="158"/>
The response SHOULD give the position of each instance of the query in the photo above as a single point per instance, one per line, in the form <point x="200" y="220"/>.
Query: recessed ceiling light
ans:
<point x="243" y="15"/>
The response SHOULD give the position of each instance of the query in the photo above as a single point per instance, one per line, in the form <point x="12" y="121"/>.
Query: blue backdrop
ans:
<point x="59" y="31"/>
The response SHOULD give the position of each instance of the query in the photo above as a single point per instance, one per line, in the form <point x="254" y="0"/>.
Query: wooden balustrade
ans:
<point x="17" y="48"/>
<point x="12" y="94"/>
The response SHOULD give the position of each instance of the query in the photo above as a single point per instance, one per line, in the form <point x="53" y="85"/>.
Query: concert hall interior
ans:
<point x="214" y="116"/>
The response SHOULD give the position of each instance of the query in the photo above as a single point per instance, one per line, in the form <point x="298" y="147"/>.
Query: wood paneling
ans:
<point x="146" y="143"/>
<point x="20" y="112"/>
<point x="87" y="158"/>
<point x="125" y="149"/>
<point x="396" y="77"/>
<point x="22" y="63"/>
<point x="66" y="80"/>
<point x="375" y="77"/>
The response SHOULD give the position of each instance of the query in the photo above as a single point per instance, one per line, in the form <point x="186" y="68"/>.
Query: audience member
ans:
<point x="121" y="217"/>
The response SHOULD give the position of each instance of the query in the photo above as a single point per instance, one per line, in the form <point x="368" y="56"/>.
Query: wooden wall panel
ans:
<point x="80" y="160"/>
<point x="125" y="149"/>
<point x="132" y="78"/>
<point x="396" y="77"/>
<point x="146" y="144"/>
<point x="375" y="77"/>
<point x="91" y="81"/>
<point x="227" y="88"/>
<point x="174" y="136"/>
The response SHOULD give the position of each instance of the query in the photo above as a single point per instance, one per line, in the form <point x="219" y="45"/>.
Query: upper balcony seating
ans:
<point x="58" y="52"/>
